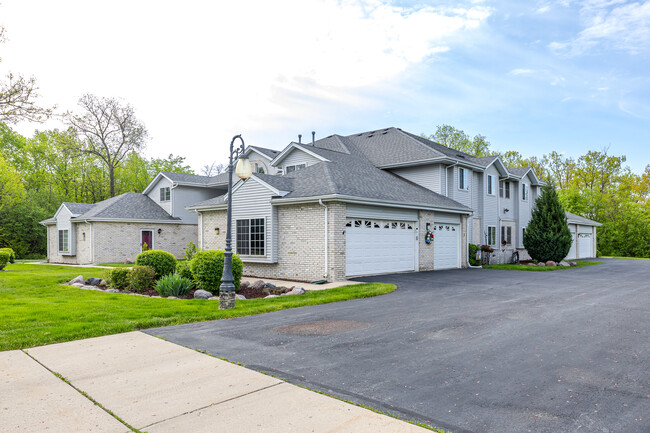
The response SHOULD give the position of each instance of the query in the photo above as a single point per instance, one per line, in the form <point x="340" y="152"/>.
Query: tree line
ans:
<point x="596" y="185"/>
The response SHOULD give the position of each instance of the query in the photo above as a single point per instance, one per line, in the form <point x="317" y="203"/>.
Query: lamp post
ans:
<point x="243" y="171"/>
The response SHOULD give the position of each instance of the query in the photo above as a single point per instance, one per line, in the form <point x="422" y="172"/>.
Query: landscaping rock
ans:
<point x="297" y="291"/>
<point x="278" y="290"/>
<point x="244" y="285"/>
<point x="77" y="285"/>
<point x="563" y="263"/>
<point x="88" y="287"/>
<point x="174" y="297"/>
<point x="269" y="285"/>
<point x="271" y="296"/>
<point x="128" y="262"/>
<point x="77" y="280"/>
<point x="103" y="283"/>
<point x="113" y="291"/>
<point x="541" y="264"/>
<point x="213" y="298"/>
<point x="240" y="297"/>
<point x="573" y="264"/>
<point x="93" y="281"/>
<point x="258" y="285"/>
<point x="202" y="294"/>
<point x="550" y="263"/>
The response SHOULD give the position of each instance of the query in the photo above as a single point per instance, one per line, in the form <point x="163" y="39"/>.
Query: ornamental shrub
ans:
<point x="4" y="259"/>
<point x="12" y="254"/>
<point x="190" y="250"/>
<point x="547" y="236"/>
<point x="162" y="262"/>
<point x="173" y="285"/>
<point x="207" y="267"/>
<point x="141" y="278"/>
<point x="118" y="278"/>
<point x="473" y="248"/>
<point x="183" y="269"/>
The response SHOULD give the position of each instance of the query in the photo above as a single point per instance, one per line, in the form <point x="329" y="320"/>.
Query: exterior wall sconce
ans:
<point x="216" y="231"/>
<point x="506" y="210"/>
<point x="428" y="226"/>
<point x="83" y="235"/>
<point x="159" y="231"/>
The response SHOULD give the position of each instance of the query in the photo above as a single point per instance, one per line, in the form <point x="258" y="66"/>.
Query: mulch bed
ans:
<point x="251" y="293"/>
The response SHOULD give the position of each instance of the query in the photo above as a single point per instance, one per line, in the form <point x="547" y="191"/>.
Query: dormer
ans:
<point x="295" y="157"/>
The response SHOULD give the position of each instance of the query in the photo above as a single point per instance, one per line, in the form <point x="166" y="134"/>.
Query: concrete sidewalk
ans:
<point x="158" y="387"/>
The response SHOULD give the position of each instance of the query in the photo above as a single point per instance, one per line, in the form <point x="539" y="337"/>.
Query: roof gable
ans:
<point x="127" y="206"/>
<point x="294" y="147"/>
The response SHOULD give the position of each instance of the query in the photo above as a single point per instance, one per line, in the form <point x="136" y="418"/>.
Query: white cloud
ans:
<point x="613" y="24"/>
<point x="199" y="72"/>
<point x="522" y="72"/>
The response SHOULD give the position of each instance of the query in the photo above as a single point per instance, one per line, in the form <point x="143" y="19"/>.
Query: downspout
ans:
<point x="320" y="201"/>
<point x="92" y="246"/>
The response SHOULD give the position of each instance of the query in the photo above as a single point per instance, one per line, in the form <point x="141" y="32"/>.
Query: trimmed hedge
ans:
<point x="118" y="278"/>
<point x="12" y="254"/>
<point x="162" y="262"/>
<point x="141" y="278"/>
<point x="207" y="269"/>
<point x="473" y="249"/>
<point x="4" y="259"/>
<point x="183" y="269"/>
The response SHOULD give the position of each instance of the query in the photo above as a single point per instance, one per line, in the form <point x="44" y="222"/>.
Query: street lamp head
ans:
<point x="243" y="169"/>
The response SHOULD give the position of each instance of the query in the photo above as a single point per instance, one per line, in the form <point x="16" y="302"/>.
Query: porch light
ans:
<point x="243" y="169"/>
<point x="216" y="231"/>
<point x="159" y="231"/>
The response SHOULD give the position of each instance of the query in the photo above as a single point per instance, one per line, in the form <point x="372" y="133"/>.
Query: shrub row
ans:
<point x="12" y="254"/>
<point x="4" y="259"/>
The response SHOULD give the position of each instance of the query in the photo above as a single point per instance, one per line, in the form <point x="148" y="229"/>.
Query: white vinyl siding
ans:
<point x="461" y="195"/>
<point x="253" y="200"/>
<point x="490" y="184"/>
<point x="491" y="204"/>
<point x="379" y="212"/>
<point x="185" y="196"/>
<point x="428" y="176"/>
<point x="154" y="194"/>
<point x="63" y="224"/>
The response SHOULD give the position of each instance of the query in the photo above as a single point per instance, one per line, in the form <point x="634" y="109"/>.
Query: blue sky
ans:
<point x="532" y="76"/>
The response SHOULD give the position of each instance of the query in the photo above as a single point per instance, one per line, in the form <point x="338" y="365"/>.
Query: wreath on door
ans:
<point x="428" y="238"/>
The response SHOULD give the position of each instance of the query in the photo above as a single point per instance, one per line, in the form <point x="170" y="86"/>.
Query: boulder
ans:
<point x="112" y="291"/>
<point x="278" y="290"/>
<point x="202" y="294"/>
<point x="563" y="263"/>
<point x="271" y="296"/>
<point x="128" y="262"/>
<point x="269" y="285"/>
<point x="80" y="285"/>
<point x="541" y="264"/>
<point x="213" y="298"/>
<point x="550" y="263"/>
<point x="103" y="283"/>
<point x="174" y="297"/>
<point x="93" y="281"/>
<point x="573" y="264"/>
<point x="80" y="279"/>
<point x="240" y="297"/>
<point x="258" y="285"/>
<point x="244" y="285"/>
<point x="295" y="291"/>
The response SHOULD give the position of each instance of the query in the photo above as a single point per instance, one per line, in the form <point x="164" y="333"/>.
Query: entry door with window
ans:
<point x="146" y="238"/>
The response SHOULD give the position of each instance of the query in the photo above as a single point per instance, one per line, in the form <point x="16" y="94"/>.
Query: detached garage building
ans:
<point x="337" y="216"/>
<point x="583" y="237"/>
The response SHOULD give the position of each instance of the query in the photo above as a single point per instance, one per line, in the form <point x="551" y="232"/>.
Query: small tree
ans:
<point x="547" y="235"/>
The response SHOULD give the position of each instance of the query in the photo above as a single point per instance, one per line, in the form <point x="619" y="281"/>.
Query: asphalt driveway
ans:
<point x="467" y="350"/>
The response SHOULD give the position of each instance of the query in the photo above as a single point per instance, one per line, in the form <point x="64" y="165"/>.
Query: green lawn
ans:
<point x="35" y="309"/>
<point x="581" y="264"/>
<point x="626" y="258"/>
<point x="116" y="265"/>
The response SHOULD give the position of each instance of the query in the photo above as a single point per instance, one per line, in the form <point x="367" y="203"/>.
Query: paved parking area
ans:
<point x="467" y="350"/>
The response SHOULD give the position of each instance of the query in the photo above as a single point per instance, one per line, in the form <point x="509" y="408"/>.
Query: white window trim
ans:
<point x="525" y="191"/>
<point x="161" y="194"/>
<point x="465" y="178"/>
<point x="58" y="241"/>
<point x="252" y="257"/>
<point x="259" y="164"/>
<point x="495" y="235"/>
<point x="296" y="167"/>
<point x="153" y="238"/>
<point x="488" y="183"/>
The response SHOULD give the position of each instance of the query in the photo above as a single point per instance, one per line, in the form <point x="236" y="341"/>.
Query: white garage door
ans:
<point x="585" y="245"/>
<point x="572" y="251"/>
<point x="379" y="246"/>
<point x="445" y="246"/>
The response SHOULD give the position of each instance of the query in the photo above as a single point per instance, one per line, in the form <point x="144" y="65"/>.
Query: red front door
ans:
<point x="147" y="238"/>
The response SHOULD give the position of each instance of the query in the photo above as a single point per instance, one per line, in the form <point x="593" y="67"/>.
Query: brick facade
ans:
<point x="426" y="252"/>
<point x="106" y="242"/>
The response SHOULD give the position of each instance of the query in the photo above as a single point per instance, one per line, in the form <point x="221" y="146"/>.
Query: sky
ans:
<point x="532" y="76"/>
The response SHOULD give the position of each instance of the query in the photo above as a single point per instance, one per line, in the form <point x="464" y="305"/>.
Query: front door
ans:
<point x="147" y="239"/>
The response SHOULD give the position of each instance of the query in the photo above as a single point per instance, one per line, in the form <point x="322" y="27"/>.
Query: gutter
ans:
<point x="320" y="201"/>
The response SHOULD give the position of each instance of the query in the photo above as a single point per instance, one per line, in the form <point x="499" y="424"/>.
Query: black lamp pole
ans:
<point x="227" y="288"/>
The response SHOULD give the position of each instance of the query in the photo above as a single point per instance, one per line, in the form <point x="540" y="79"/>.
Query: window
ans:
<point x="463" y="178"/>
<point x="492" y="235"/>
<point x="504" y="189"/>
<point x="291" y="168"/>
<point x="250" y="237"/>
<point x="524" y="191"/>
<point x="506" y="235"/>
<point x="165" y="194"/>
<point x="490" y="184"/>
<point x="258" y="168"/>
<point x="64" y="241"/>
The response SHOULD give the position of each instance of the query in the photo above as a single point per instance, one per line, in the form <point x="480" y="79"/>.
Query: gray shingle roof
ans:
<point x="518" y="171"/>
<point x="78" y="208"/>
<point x="130" y="206"/>
<point x="188" y="178"/>
<point x="577" y="219"/>
<point x="264" y="151"/>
